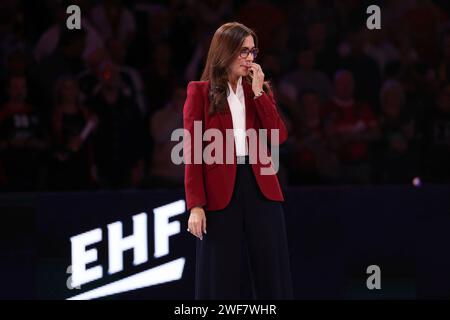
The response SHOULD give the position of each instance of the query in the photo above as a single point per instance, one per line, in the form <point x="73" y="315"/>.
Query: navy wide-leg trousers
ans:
<point x="244" y="254"/>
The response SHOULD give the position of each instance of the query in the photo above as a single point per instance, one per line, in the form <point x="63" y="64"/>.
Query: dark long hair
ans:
<point x="225" y="47"/>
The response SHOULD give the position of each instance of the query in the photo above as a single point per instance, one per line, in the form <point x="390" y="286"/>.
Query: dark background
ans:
<point x="127" y="71"/>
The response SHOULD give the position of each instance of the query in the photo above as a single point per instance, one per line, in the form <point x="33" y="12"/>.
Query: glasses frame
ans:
<point x="246" y="51"/>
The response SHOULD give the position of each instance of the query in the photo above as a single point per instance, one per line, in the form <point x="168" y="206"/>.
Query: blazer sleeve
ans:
<point x="193" y="175"/>
<point x="268" y="115"/>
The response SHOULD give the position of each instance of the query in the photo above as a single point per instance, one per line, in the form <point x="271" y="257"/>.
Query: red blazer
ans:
<point x="211" y="186"/>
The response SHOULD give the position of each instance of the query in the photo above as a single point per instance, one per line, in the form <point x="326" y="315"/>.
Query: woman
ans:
<point x="240" y="204"/>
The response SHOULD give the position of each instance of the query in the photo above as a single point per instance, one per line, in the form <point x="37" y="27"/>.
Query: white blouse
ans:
<point x="236" y="102"/>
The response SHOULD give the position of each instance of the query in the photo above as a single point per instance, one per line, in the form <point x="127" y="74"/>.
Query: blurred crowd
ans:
<point x="95" y="108"/>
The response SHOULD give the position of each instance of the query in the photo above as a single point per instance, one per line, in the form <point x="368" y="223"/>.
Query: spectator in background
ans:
<point x="16" y="62"/>
<point x="422" y="20"/>
<point x="265" y="17"/>
<point x="66" y="59"/>
<point x="213" y="12"/>
<point x="348" y="14"/>
<point x="351" y="130"/>
<point x="281" y="51"/>
<point x="398" y="158"/>
<point x="305" y="78"/>
<point x="437" y="139"/>
<point x="113" y="20"/>
<point x="23" y="141"/>
<point x="48" y="41"/>
<point x="90" y="78"/>
<point x="443" y="70"/>
<point x="154" y="22"/>
<point x="117" y="50"/>
<point x="119" y="141"/>
<point x="194" y="67"/>
<point x="159" y="77"/>
<point x="163" y="173"/>
<point x="364" y="69"/>
<point x="323" y="44"/>
<point x="303" y="14"/>
<point x="381" y="49"/>
<point x="183" y="35"/>
<point x="394" y="12"/>
<point x="312" y="160"/>
<point x="416" y="83"/>
<point x="13" y="46"/>
<point x="72" y="125"/>
<point x="407" y="53"/>
<point x="272" y="67"/>
<point x="158" y="23"/>
<point x="12" y="37"/>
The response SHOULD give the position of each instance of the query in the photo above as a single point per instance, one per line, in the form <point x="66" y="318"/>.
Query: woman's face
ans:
<point x="239" y="67"/>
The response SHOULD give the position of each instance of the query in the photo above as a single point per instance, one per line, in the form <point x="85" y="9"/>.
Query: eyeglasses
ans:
<point x="246" y="51"/>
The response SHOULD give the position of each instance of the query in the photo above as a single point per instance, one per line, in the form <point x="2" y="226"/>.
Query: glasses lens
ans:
<point x="244" y="53"/>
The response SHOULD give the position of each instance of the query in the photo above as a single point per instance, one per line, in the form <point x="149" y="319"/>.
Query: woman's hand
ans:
<point x="197" y="222"/>
<point x="257" y="78"/>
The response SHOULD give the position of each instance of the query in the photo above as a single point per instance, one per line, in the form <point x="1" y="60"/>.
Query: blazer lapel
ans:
<point x="225" y="117"/>
<point x="249" y="105"/>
